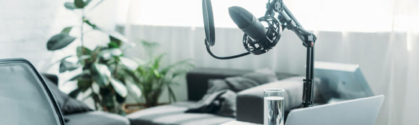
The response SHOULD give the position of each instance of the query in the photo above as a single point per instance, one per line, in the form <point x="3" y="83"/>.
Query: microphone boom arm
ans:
<point x="288" y="21"/>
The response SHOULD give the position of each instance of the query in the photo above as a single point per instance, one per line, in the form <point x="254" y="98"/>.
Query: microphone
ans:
<point x="257" y="39"/>
<point x="247" y="23"/>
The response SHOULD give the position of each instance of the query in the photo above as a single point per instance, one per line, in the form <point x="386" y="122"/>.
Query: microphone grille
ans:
<point x="240" y="16"/>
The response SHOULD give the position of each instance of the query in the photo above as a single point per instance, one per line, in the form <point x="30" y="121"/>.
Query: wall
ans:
<point x="26" y="25"/>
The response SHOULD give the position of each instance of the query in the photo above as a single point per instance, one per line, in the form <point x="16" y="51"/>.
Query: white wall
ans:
<point x="26" y="25"/>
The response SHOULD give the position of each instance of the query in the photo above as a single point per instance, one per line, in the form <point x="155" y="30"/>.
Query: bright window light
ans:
<point x="317" y="15"/>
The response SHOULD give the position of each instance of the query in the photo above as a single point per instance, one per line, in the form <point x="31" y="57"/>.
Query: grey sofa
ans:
<point x="197" y="85"/>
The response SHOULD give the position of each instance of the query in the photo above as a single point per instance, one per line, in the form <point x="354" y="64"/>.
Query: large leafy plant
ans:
<point x="153" y="78"/>
<point x="103" y="68"/>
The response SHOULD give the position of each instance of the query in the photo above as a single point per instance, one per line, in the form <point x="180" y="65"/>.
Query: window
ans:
<point x="318" y="15"/>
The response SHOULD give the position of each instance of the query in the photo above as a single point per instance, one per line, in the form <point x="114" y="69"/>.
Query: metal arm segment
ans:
<point x="289" y="22"/>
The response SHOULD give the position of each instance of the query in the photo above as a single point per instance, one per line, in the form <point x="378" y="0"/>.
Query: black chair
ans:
<point x="25" y="98"/>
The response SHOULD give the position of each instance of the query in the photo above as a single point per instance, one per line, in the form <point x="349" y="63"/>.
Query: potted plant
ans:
<point x="152" y="78"/>
<point x="103" y="67"/>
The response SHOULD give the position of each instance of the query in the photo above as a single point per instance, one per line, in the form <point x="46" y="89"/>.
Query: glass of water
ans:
<point x="274" y="106"/>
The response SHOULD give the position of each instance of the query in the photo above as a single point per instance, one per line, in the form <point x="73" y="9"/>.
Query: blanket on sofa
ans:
<point x="220" y="98"/>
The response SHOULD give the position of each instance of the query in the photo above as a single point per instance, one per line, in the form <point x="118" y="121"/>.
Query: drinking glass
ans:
<point x="274" y="106"/>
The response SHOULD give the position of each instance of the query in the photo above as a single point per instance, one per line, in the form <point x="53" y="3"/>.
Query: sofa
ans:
<point x="249" y="102"/>
<point x="197" y="84"/>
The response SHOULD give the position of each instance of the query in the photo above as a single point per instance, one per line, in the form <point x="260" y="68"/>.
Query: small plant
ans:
<point x="153" y="78"/>
<point x="103" y="66"/>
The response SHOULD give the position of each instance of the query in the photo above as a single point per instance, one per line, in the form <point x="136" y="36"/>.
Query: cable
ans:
<point x="228" y="57"/>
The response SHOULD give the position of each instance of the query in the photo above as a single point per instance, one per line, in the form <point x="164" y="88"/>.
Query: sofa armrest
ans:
<point x="250" y="101"/>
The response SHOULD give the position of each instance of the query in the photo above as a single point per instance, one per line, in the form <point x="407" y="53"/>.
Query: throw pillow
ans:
<point x="250" y="80"/>
<point x="67" y="105"/>
<point x="215" y="85"/>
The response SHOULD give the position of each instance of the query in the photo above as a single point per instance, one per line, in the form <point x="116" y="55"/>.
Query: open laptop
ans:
<point x="362" y="111"/>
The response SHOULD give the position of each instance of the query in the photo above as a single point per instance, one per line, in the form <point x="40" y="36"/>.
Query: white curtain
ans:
<point x="382" y="36"/>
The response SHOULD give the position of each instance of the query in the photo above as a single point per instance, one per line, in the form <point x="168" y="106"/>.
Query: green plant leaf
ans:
<point x="117" y="37"/>
<point x="74" y="93"/>
<point x="95" y="52"/>
<point x="113" y="44"/>
<point x="179" y="72"/>
<point x="101" y="74"/>
<point x="128" y="63"/>
<point x="84" y="84"/>
<point x="133" y="75"/>
<point x="119" y="87"/>
<point x="115" y="52"/>
<point x="156" y="73"/>
<point x="115" y="40"/>
<point x="59" y="41"/>
<point x="66" y="30"/>
<point x="84" y="58"/>
<point x="171" y="93"/>
<point x="108" y="53"/>
<point x="132" y="88"/>
<point x="79" y="3"/>
<point x="156" y="62"/>
<point x="80" y="50"/>
<point x="87" y="2"/>
<point x="67" y="66"/>
<point x="84" y="74"/>
<point x="69" y="5"/>
<point x="91" y="24"/>
<point x="182" y="62"/>
<point x="107" y="99"/>
<point x="61" y="60"/>
<point x="150" y="45"/>
<point x="119" y="98"/>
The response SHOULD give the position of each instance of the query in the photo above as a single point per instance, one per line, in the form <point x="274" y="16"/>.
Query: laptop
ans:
<point x="362" y="111"/>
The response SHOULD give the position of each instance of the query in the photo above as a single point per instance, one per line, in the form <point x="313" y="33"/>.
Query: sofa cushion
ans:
<point x="174" y="114"/>
<point x="240" y="83"/>
<point x="96" y="118"/>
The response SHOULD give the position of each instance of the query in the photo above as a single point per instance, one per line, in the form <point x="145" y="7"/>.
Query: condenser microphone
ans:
<point x="257" y="38"/>
<point x="248" y="23"/>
